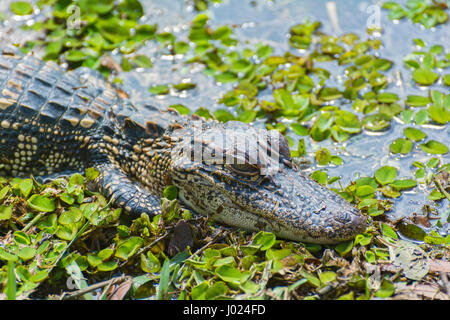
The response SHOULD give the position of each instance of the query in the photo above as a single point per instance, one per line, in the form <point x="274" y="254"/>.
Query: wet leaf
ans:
<point x="184" y="86"/>
<point x="41" y="203"/>
<point x="411" y="231"/>
<point x="329" y="94"/>
<point x="434" y="147"/>
<point x="142" y="61"/>
<point x="421" y="116"/>
<point x="376" y="122"/>
<point x="414" y="134"/>
<point x="365" y="192"/>
<point x="386" y="290"/>
<point x="386" y="175"/>
<point x="231" y="274"/>
<point x="21" y="8"/>
<point x="5" y="212"/>
<point x="26" y="185"/>
<point x="323" y="156"/>
<point x="159" y="89"/>
<point x="417" y="101"/>
<point x="425" y="76"/>
<point x="388" y="231"/>
<point x="265" y="239"/>
<point x="387" y="97"/>
<point x="403" y="184"/>
<point x="129" y="247"/>
<point x="401" y="145"/>
<point x="150" y="263"/>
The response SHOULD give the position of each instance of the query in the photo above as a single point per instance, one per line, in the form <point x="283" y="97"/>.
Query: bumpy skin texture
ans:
<point x="57" y="122"/>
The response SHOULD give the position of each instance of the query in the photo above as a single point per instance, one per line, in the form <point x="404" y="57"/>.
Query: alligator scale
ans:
<point x="56" y="122"/>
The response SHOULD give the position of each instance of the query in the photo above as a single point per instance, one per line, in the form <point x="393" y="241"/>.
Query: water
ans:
<point x="269" y="22"/>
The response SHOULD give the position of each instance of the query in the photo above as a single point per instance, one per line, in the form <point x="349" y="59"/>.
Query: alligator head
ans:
<point x="245" y="177"/>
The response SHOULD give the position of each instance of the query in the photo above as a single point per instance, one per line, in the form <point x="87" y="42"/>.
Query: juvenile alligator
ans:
<point x="53" y="121"/>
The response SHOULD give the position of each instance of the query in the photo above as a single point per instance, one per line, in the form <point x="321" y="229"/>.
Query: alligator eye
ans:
<point x="245" y="169"/>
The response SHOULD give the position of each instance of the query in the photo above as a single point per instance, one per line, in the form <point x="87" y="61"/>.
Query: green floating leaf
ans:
<point x="4" y="191"/>
<point x="386" y="290"/>
<point x="25" y="186"/>
<point x="129" y="247"/>
<point x="6" y="255"/>
<point x="347" y="121"/>
<point x="91" y="174"/>
<point x="182" y="109"/>
<point x="107" y="266"/>
<point x="386" y="175"/>
<point x="414" y="134"/>
<point x="265" y="239"/>
<point x="388" y="231"/>
<point x="41" y="203"/>
<point x="376" y="122"/>
<point x="323" y="156"/>
<point x="223" y="115"/>
<point x="21" y="8"/>
<point x="170" y="192"/>
<point x="439" y="113"/>
<point x="421" y="116"/>
<point x="403" y="184"/>
<point x="401" y="145"/>
<point x="425" y="76"/>
<point x="27" y="253"/>
<point x="417" y="101"/>
<point x="230" y="274"/>
<point x="5" y="212"/>
<point x="159" y="89"/>
<point x="446" y="79"/>
<point x="142" y="61"/>
<point x="411" y="231"/>
<point x="75" y="55"/>
<point x="299" y="129"/>
<point x="434" y="147"/>
<point x="184" y="86"/>
<point x="344" y="248"/>
<point x="150" y="263"/>
<point x="319" y="176"/>
<point x="387" y="97"/>
<point x="39" y="276"/>
<point x="365" y="192"/>
<point x="329" y="94"/>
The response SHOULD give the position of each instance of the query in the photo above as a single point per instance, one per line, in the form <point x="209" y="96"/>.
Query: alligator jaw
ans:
<point x="316" y="215"/>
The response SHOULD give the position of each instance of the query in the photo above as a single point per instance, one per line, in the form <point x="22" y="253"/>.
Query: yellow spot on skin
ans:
<point x="11" y="94"/>
<point x="5" y="103"/>
<point x="137" y="149"/>
<point x="5" y="124"/>
<point x="86" y="123"/>
<point x="14" y="85"/>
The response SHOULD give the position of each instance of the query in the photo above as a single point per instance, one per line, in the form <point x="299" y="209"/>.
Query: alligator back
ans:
<point x="49" y="117"/>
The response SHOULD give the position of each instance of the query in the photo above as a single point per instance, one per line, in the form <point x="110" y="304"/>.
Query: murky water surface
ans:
<point x="269" y="22"/>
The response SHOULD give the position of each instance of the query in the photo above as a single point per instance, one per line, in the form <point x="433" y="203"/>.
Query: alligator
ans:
<point x="54" y="121"/>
